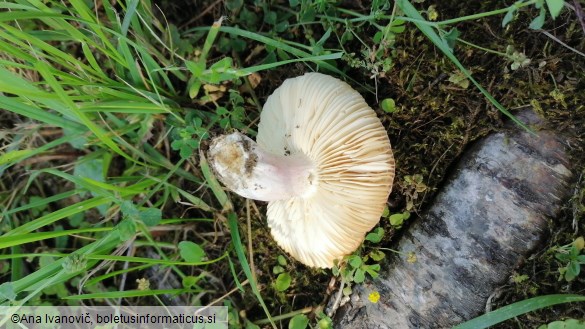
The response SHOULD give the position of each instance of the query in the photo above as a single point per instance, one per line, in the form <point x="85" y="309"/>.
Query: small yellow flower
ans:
<point x="143" y="284"/>
<point x="411" y="257"/>
<point x="374" y="297"/>
<point x="432" y="13"/>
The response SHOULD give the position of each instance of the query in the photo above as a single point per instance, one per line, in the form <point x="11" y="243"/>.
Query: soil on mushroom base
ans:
<point x="435" y="122"/>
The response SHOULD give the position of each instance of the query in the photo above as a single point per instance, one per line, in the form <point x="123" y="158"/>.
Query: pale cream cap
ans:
<point x="324" y="119"/>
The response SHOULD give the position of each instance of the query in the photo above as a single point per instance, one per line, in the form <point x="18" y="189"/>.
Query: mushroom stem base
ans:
<point x="245" y="168"/>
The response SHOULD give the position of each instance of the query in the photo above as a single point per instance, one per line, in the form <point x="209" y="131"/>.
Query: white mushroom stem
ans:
<point x="253" y="173"/>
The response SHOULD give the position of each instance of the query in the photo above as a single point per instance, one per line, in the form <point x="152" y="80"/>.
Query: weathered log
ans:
<point x="487" y="218"/>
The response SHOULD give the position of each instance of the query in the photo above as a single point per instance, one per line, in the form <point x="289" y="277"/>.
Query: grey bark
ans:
<point x="488" y="217"/>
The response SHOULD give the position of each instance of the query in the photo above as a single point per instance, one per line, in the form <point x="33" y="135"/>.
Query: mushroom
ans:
<point x="322" y="160"/>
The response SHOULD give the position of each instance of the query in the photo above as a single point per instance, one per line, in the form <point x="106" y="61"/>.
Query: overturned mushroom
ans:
<point x="322" y="160"/>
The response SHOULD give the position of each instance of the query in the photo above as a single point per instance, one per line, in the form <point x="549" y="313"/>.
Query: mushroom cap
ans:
<point x="329" y="122"/>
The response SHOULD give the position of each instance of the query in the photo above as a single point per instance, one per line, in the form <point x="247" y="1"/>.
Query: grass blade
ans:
<point x="15" y="240"/>
<point x="32" y="111"/>
<point x="55" y="269"/>
<point x="98" y="132"/>
<point x="262" y="67"/>
<point x="274" y="43"/>
<point x="132" y="293"/>
<point x="57" y="215"/>
<point x="516" y="309"/>
<point x="237" y="242"/>
<point x="213" y="183"/>
<point x="41" y="202"/>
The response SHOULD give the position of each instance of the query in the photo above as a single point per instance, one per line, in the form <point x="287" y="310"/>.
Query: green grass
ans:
<point x="100" y="162"/>
<point x="104" y="103"/>
<point x="104" y="82"/>
<point x="519" y="308"/>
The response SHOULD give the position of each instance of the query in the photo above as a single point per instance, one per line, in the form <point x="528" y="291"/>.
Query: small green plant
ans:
<point x="353" y="268"/>
<point x="377" y="59"/>
<point x="554" y="8"/>
<point x="299" y="321"/>
<point x="232" y="116"/>
<point x="459" y="79"/>
<point x="566" y="324"/>
<point x="324" y="322"/>
<point x="518" y="59"/>
<point x="388" y="105"/>
<point x="519" y="278"/>
<point x="284" y="279"/>
<point x="396" y="220"/>
<point x="191" y="252"/>
<point x="572" y="258"/>
<point x="357" y="268"/>
<point x="187" y="139"/>
<point x="411" y="187"/>
<point x="524" y="284"/>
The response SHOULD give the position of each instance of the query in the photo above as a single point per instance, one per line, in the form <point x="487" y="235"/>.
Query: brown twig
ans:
<point x="562" y="43"/>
